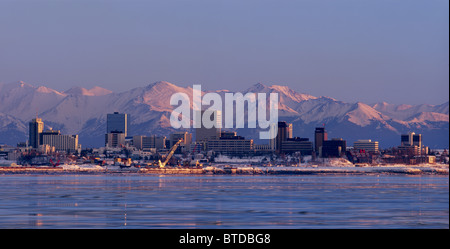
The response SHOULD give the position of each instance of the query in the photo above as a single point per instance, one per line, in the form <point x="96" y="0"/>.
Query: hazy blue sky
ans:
<point x="351" y="50"/>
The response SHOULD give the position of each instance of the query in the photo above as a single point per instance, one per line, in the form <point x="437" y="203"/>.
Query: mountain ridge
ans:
<point x="82" y="111"/>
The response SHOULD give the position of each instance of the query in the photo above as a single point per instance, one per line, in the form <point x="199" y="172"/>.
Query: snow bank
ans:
<point x="228" y="159"/>
<point x="333" y="162"/>
<point x="81" y="167"/>
<point x="7" y="163"/>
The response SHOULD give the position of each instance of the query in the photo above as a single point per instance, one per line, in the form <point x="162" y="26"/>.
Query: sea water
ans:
<point x="224" y="201"/>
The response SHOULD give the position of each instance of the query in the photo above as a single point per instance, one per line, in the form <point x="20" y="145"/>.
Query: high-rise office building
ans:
<point x="284" y="132"/>
<point x="320" y="136"/>
<point x="417" y="140"/>
<point x="273" y="131"/>
<point x="411" y="139"/>
<point x="117" y="122"/>
<point x="205" y="134"/>
<point x="366" y="145"/>
<point x="36" y="126"/>
<point x="411" y="143"/>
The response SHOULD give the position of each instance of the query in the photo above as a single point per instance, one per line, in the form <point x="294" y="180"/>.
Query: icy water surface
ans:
<point x="224" y="201"/>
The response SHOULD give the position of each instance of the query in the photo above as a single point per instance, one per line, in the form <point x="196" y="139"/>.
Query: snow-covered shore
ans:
<point x="336" y="168"/>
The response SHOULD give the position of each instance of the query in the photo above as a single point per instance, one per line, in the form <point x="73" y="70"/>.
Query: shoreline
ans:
<point x="235" y="170"/>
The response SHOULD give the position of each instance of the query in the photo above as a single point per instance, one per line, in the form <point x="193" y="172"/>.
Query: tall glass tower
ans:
<point x="117" y="122"/>
<point x="320" y="135"/>
<point x="36" y="126"/>
<point x="284" y="132"/>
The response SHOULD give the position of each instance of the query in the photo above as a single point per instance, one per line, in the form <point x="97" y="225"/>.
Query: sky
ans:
<point x="352" y="50"/>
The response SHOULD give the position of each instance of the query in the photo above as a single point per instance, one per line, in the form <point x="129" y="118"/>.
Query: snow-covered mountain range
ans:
<point x="83" y="111"/>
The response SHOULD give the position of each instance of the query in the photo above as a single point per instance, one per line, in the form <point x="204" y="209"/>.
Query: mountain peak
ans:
<point x="166" y="87"/>
<point x="76" y="90"/>
<point x="94" y="91"/>
<point x="99" y="91"/>
<point x="284" y="92"/>
<point x="20" y="84"/>
<point x="363" y="115"/>
<point x="161" y="84"/>
<point x="281" y="88"/>
<point x="43" y="89"/>
<point x="258" y="87"/>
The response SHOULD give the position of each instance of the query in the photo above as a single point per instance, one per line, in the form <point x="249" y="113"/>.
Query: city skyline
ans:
<point x="285" y="131"/>
<point x="84" y="113"/>
<point x="213" y="141"/>
<point x="393" y="51"/>
<point x="126" y="150"/>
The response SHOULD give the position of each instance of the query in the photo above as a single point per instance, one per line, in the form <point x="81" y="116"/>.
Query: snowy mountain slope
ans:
<point x="364" y="115"/>
<point x="424" y="117"/>
<point x="157" y="95"/>
<point x="23" y="100"/>
<point x="81" y="111"/>
<point x="405" y="112"/>
<point x="289" y="100"/>
<point x="75" y="110"/>
<point x="12" y="130"/>
<point x="8" y="121"/>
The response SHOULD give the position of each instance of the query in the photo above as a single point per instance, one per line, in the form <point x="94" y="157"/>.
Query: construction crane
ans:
<point x="169" y="155"/>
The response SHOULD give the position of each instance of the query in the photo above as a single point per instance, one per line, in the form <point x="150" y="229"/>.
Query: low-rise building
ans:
<point x="114" y="139"/>
<point x="149" y="142"/>
<point x="231" y="146"/>
<point x="409" y="150"/>
<point x="263" y="148"/>
<point x="292" y="145"/>
<point x="335" y="147"/>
